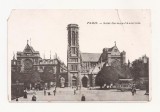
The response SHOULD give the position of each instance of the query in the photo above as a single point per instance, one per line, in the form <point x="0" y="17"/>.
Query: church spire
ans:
<point x="44" y="55"/>
<point x="50" y="54"/>
<point x="30" y="41"/>
<point x="115" y="43"/>
<point x="55" y="56"/>
<point x="27" y="42"/>
<point x="129" y="64"/>
<point x="13" y="56"/>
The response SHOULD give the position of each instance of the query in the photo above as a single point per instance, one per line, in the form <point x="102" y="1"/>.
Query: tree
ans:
<point x="111" y="74"/>
<point x="125" y="72"/>
<point x="107" y="75"/>
<point x="48" y="75"/>
<point x="15" y="76"/>
<point x="35" y="78"/>
<point x="139" y="69"/>
<point x="100" y="79"/>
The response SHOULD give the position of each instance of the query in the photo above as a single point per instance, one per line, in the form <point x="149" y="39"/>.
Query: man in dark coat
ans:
<point x="83" y="98"/>
<point x="44" y="92"/>
<point x="34" y="98"/>
<point x="54" y="92"/>
<point x="25" y="94"/>
<point x="75" y="92"/>
<point x="16" y="99"/>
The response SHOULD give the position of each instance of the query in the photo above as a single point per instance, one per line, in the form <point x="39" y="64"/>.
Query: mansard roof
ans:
<point x="90" y="57"/>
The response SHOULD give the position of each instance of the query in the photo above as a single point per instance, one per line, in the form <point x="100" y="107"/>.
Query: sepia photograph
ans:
<point x="89" y="55"/>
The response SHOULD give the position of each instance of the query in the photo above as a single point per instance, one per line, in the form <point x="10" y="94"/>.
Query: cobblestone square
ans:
<point x="67" y="94"/>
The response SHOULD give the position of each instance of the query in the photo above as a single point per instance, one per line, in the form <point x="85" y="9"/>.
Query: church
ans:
<point x="33" y="70"/>
<point x="83" y="67"/>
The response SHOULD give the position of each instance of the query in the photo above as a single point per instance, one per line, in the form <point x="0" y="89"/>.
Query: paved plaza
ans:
<point x="67" y="94"/>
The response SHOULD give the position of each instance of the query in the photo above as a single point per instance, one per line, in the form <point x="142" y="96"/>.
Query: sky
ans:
<point x="47" y="30"/>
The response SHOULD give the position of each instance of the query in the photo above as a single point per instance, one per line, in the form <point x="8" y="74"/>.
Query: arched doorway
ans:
<point x="84" y="81"/>
<point x="74" y="81"/>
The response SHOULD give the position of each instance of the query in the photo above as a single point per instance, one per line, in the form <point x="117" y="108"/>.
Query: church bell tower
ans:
<point x="73" y="56"/>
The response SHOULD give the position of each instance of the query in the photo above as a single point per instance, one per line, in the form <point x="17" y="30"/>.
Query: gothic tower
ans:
<point x="73" y="56"/>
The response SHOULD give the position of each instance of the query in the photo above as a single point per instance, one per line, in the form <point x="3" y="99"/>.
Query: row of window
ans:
<point x="41" y="68"/>
<point x="73" y="50"/>
<point x="87" y="65"/>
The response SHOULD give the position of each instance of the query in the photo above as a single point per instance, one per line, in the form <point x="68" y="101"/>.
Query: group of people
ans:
<point x="34" y="98"/>
<point x="45" y="92"/>
<point x="24" y="94"/>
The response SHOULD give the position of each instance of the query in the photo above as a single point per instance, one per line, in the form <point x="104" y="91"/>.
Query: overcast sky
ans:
<point x="48" y="31"/>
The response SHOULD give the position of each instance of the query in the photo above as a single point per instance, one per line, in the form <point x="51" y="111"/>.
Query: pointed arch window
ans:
<point x="73" y="50"/>
<point x="73" y="39"/>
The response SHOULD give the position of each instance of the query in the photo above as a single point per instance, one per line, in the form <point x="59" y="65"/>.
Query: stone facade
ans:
<point x="29" y="61"/>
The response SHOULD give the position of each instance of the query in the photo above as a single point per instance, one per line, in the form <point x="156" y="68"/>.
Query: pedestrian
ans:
<point x="25" y="94"/>
<point x="74" y="91"/>
<point x="44" y="92"/>
<point x="54" y="92"/>
<point x="49" y="93"/>
<point x="34" y="98"/>
<point x="133" y="90"/>
<point x="16" y="99"/>
<point x="83" y="98"/>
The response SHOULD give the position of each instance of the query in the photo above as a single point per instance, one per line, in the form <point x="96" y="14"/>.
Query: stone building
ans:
<point x="82" y="66"/>
<point x="29" y="62"/>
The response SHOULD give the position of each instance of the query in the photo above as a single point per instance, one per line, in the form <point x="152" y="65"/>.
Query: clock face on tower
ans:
<point x="28" y="64"/>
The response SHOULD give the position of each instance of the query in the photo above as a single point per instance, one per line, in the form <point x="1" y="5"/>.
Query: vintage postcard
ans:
<point x="79" y="55"/>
